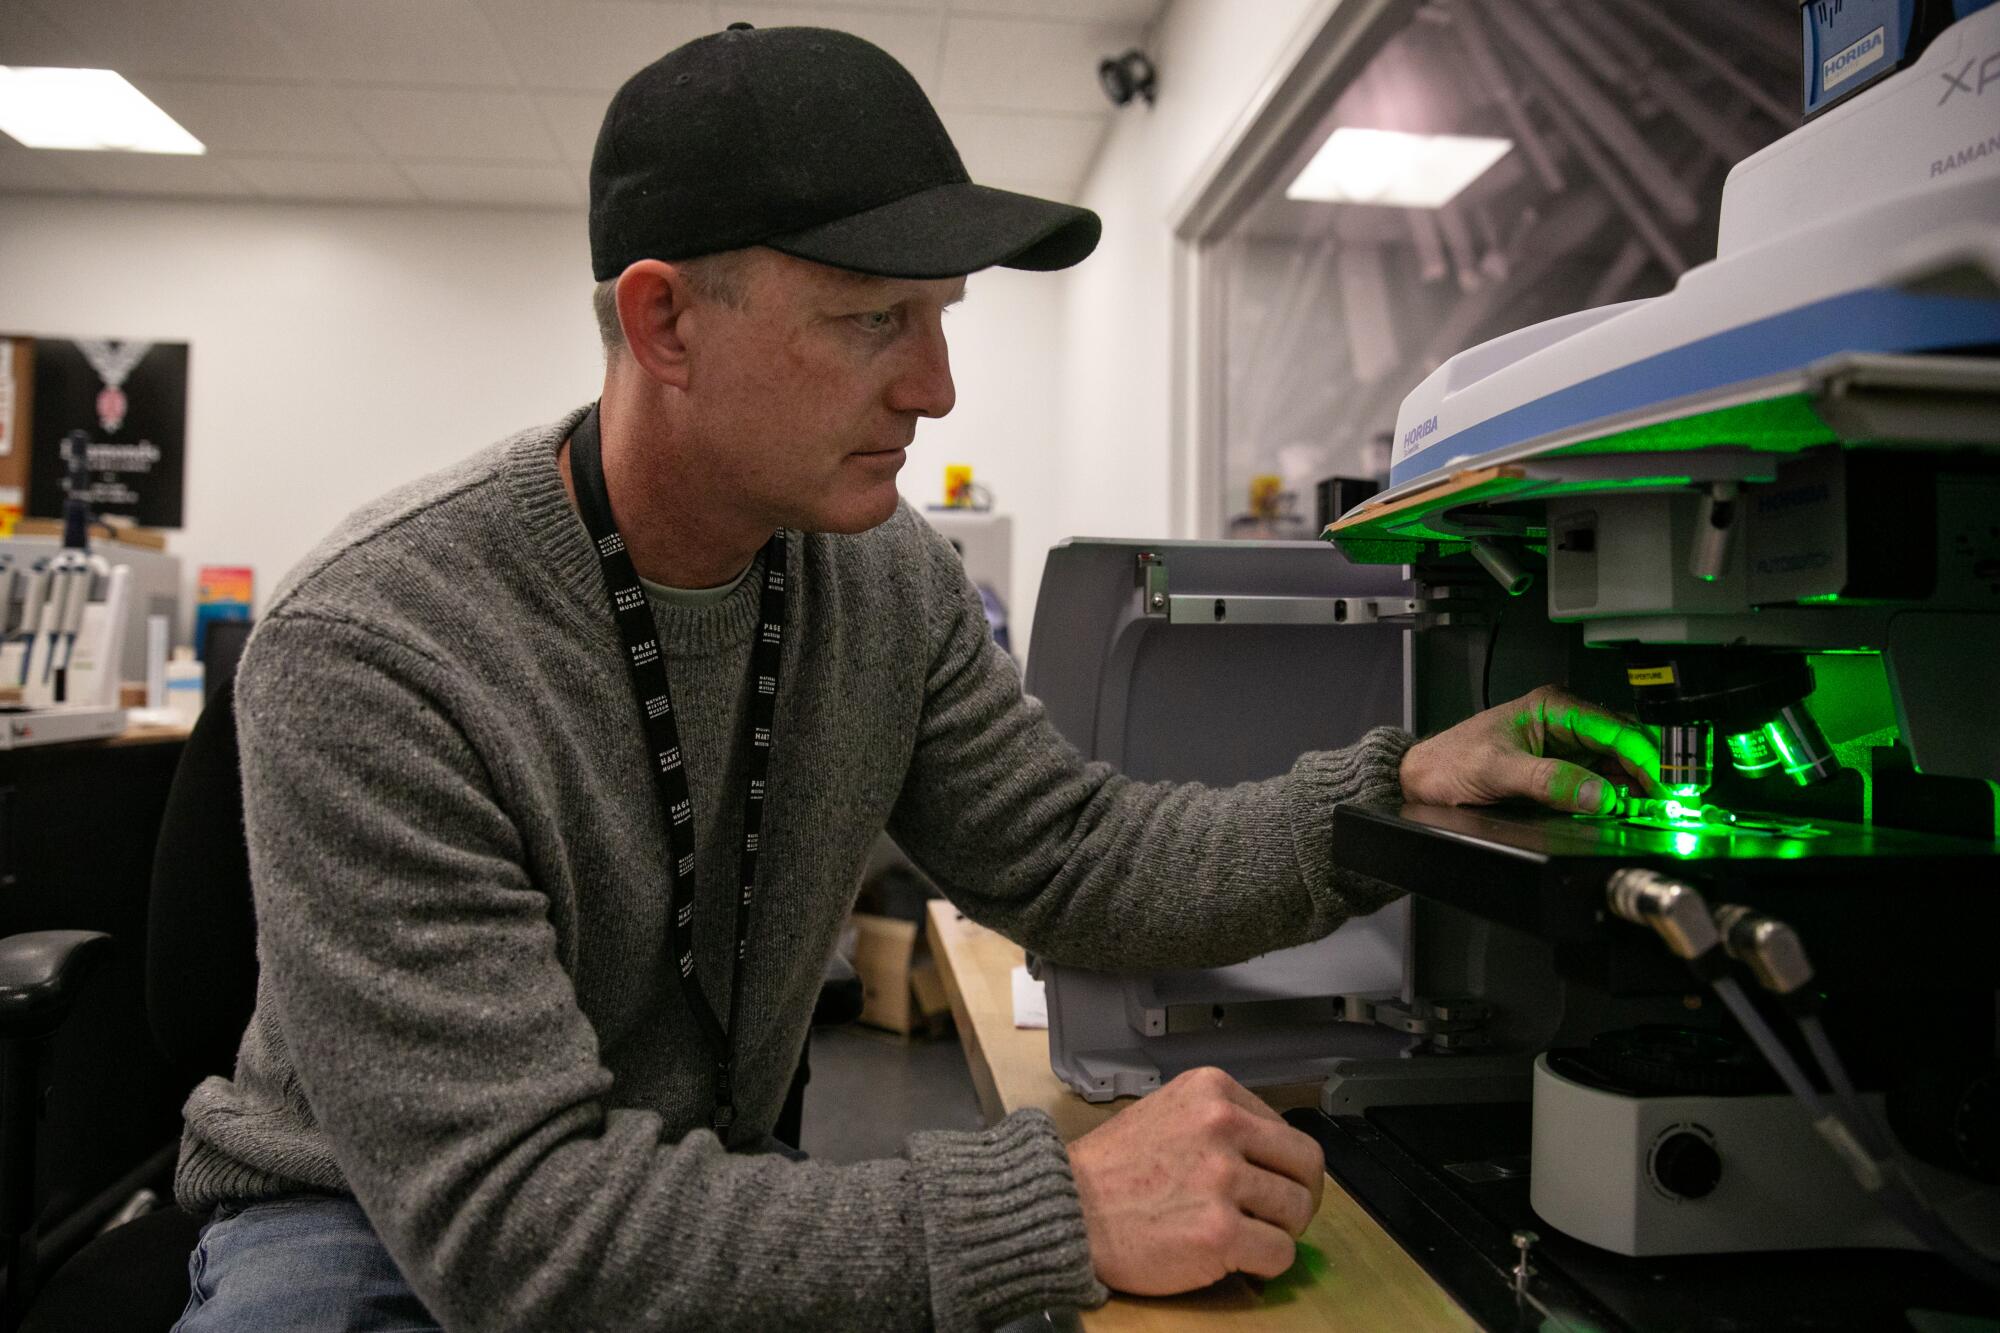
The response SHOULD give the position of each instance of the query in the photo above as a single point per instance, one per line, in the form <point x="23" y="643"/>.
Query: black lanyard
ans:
<point x="649" y="687"/>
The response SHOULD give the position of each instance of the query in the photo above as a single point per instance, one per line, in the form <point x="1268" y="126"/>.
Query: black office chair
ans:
<point x="201" y="985"/>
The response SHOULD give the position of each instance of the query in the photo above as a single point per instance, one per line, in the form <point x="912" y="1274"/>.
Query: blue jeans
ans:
<point x="311" y="1263"/>
<point x="306" y="1261"/>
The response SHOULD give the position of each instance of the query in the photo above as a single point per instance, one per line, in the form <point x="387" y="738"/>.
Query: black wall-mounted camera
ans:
<point x="1127" y="76"/>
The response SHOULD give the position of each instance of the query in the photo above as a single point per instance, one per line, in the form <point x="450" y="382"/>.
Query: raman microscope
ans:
<point x="1735" y="1058"/>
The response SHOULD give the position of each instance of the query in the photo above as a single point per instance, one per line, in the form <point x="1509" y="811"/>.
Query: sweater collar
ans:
<point x="534" y="484"/>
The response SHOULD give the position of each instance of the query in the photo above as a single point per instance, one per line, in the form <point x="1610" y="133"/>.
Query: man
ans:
<point x="559" y="766"/>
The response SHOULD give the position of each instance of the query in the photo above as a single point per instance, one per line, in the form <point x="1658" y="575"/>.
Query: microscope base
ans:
<point x="1451" y="1184"/>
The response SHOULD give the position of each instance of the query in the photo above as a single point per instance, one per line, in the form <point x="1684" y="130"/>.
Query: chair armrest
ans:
<point x="839" y="995"/>
<point x="41" y="972"/>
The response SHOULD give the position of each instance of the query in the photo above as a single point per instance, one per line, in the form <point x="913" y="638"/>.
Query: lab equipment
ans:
<point x="984" y="541"/>
<point x="63" y="648"/>
<point x="1756" y="512"/>
<point x="154" y="580"/>
<point x="1220" y="662"/>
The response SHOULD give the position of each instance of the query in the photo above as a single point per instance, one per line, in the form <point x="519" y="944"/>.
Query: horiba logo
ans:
<point x="611" y="545"/>
<point x="1844" y="65"/>
<point x="629" y="599"/>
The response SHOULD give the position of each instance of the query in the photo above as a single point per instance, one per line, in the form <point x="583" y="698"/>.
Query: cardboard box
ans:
<point x="933" y="1005"/>
<point x="884" y="951"/>
<point x="901" y="990"/>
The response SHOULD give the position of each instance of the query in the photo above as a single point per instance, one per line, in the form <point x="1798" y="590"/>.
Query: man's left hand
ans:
<point x="1547" y="746"/>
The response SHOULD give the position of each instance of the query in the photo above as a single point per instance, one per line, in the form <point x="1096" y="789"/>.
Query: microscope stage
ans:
<point x="1874" y="905"/>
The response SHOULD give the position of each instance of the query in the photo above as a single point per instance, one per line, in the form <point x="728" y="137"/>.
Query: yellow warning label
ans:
<point x="1659" y="675"/>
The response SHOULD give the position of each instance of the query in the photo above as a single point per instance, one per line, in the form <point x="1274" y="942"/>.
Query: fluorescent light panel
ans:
<point x="1389" y="167"/>
<point x="88" y="109"/>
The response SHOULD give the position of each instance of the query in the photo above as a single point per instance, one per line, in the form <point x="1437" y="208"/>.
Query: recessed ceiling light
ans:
<point x="1357" y="166"/>
<point x="89" y="109"/>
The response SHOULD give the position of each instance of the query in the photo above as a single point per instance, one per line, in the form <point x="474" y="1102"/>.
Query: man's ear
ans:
<point x="653" y="301"/>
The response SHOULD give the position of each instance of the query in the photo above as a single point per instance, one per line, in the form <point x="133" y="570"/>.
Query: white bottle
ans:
<point x="184" y="681"/>
<point x="158" y="633"/>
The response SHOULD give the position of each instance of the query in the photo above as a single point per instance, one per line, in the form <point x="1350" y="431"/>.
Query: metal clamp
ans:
<point x="1153" y="583"/>
<point x="1445" y="1024"/>
<point x="1524" y="1270"/>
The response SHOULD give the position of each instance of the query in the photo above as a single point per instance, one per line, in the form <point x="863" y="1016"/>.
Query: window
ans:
<point x="1546" y="156"/>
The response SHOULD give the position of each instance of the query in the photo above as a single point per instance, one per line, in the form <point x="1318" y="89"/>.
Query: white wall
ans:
<point x="1214" y="59"/>
<point x="1007" y="364"/>
<point x="338" y="351"/>
<point x="334" y="352"/>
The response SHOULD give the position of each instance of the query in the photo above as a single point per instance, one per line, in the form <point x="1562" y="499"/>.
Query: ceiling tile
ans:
<point x="291" y="178"/>
<point x="574" y="118"/>
<point x="270" y="118"/>
<point x="422" y="42"/>
<point x="157" y="173"/>
<point x="1133" y="13"/>
<point x="1005" y="64"/>
<point x="183" y="38"/>
<point x="997" y="145"/>
<point x="592" y="43"/>
<point x="911" y="36"/>
<point x="487" y="183"/>
<point x="36" y="169"/>
<point x="502" y="127"/>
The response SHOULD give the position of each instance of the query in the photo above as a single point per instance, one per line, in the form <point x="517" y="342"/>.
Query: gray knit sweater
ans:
<point x="467" y="1017"/>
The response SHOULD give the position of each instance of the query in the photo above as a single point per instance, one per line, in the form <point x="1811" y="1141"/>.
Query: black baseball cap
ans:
<point x="812" y="142"/>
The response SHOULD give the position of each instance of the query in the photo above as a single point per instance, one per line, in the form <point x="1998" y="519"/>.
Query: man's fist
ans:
<point x="1547" y="746"/>
<point x="1197" y="1181"/>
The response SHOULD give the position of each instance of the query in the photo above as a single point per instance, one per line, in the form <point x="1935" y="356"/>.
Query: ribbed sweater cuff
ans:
<point x="1003" y="1228"/>
<point x="1368" y="772"/>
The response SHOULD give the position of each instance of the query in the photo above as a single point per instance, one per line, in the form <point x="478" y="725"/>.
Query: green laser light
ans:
<point x="1799" y="746"/>
<point x="1751" y="752"/>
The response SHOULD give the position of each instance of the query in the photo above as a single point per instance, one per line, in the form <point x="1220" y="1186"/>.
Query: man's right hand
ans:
<point x="1194" y="1182"/>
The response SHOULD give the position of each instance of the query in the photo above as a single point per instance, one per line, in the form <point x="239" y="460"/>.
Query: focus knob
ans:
<point x="1686" y="1165"/>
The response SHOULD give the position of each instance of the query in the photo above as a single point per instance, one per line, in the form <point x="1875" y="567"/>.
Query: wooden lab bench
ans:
<point x="1350" y="1276"/>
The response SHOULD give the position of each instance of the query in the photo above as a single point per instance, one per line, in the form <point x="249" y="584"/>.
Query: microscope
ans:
<point x="1734" y="1062"/>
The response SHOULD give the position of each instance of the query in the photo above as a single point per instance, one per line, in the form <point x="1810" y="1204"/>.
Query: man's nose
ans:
<point x="925" y="386"/>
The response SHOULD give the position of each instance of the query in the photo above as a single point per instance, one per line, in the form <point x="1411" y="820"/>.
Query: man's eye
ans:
<point x="876" y="321"/>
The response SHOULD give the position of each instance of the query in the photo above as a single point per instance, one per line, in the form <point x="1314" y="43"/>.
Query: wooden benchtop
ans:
<point x="1351" y="1277"/>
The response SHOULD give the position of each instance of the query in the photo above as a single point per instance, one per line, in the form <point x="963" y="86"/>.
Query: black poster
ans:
<point x="130" y="401"/>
